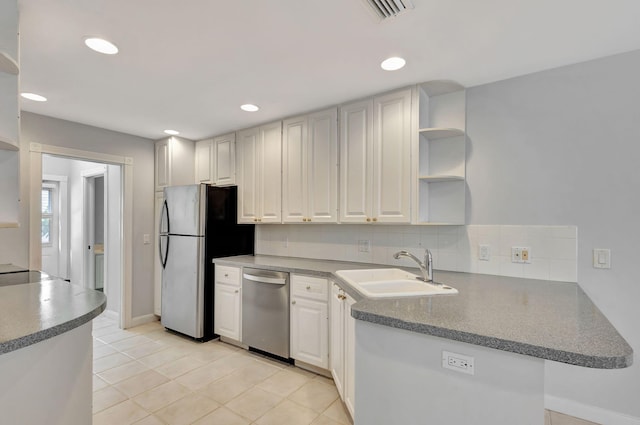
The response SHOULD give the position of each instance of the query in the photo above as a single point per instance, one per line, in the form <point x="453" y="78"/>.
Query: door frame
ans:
<point x="88" y="223"/>
<point x="126" y="231"/>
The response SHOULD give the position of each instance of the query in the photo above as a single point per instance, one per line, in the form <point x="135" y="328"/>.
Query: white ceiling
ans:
<point x="189" y="64"/>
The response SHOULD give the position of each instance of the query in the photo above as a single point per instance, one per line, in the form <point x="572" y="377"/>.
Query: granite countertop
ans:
<point x="545" y="319"/>
<point x="33" y="312"/>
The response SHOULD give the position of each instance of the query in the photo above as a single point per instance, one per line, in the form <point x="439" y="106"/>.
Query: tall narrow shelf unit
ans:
<point x="9" y="114"/>
<point x="441" y="153"/>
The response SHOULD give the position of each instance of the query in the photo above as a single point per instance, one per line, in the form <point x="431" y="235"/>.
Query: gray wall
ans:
<point x="563" y="147"/>
<point x="52" y="131"/>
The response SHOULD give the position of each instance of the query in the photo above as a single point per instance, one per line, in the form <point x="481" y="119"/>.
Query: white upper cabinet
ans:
<point x="392" y="137"/>
<point x="259" y="168"/>
<point x="375" y="159"/>
<point x="204" y="162"/>
<point x="224" y="151"/>
<point x="174" y="162"/>
<point x="215" y="160"/>
<point x="310" y="168"/>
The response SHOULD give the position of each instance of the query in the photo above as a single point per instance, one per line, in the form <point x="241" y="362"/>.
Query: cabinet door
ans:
<point x="224" y="160"/>
<point x="270" y="204"/>
<point x="309" y="332"/>
<point x="336" y="358"/>
<point x="322" y="167"/>
<point x="294" y="170"/>
<point x="247" y="174"/>
<point x="157" y="265"/>
<point x="163" y="164"/>
<point x="227" y="313"/>
<point x="355" y="160"/>
<point x="349" y="356"/>
<point x="392" y="137"/>
<point x="204" y="161"/>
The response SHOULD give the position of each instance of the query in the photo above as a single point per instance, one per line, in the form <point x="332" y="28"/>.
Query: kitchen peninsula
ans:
<point x="45" y="349"/>
<point x="510" y="326"/>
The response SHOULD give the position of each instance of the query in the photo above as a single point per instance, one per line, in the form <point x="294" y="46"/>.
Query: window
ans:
<point x="47" y="214"/>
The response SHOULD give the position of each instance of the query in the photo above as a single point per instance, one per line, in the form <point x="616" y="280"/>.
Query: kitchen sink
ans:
<point x="391" y="283"/>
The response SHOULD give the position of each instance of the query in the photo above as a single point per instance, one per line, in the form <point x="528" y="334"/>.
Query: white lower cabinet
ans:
<point x="227" y="302"/>
<point x="343" y="346"/>
<point x="309" y="320"/>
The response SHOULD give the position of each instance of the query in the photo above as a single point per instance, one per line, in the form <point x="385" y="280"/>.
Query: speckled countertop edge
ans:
<point x="362" y="311"/>
<point x="93" y="310"/>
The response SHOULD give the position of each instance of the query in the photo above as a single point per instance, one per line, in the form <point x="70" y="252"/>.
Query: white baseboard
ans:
<point x="589" y="413"/>
<point x="110" y="314"/>
<point x="141" y="320"/>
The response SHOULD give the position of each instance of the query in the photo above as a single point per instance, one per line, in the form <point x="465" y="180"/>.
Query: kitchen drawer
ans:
<point x="228" y="275"/>
<point x="314" y="288"/>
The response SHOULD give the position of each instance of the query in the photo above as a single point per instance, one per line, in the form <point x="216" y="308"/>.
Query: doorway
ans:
<point x="81" y="225"/>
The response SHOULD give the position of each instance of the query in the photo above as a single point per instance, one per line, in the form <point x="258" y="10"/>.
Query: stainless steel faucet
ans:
<point x="426" y="266"/>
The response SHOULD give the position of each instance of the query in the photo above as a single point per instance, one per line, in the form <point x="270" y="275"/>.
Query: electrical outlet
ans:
<point x="484" y="252"/>
<point x="525" y="254"/>
<point x="458" y="362"/>
<point x="146" y="239"/>
<point x="364" y="245"/>
<point x="516" y="254"/>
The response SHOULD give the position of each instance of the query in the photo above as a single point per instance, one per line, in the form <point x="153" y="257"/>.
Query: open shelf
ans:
<point x="436" y="133"/>
<point x="8" y="64"/>
<point x="8" y="144"/>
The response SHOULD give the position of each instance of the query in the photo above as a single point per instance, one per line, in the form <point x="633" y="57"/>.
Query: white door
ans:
<point x="224" y="160"/>
<point x="309" y="332"/>
<point x="271" y="173"/>
<point x="294" y="170"/>
<point x="247" y="175"/>
<point x="204" y="163"/>
<point x="392" y="157"/>
<point x="227" y="311"/>
<point x="336" y="358"/>
<point x="349" y="355"/>
<point x="355" y="161"/>
<point x="322" y="167"/>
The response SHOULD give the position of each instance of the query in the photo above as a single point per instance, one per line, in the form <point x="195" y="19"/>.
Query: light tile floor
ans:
<point x="148" y="376"/>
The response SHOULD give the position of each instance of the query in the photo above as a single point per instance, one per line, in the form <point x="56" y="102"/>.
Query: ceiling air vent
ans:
<point x="385" y="9"/>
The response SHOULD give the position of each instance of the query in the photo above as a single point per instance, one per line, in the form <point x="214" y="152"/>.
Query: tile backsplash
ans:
<point x="553" y="249"/>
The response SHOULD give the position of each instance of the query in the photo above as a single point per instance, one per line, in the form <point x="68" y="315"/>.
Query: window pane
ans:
<point x="46" y="201"/>
<point x="46" y="223"/>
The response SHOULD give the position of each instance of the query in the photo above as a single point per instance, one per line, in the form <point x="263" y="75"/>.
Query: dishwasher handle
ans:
<point x="263" y="279"/>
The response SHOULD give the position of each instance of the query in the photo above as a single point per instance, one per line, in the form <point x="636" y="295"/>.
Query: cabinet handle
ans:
<point x="368" y="219"/>
<point x="375" y="219"/>
<point x="309" y="220"/>
<point x="237" y="290"/>
<point x="293" y="302"/>
<point x="308" y="287"/>
<point x="226" y="275"/>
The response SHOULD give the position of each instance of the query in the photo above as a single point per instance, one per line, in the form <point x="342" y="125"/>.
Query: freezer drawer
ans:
<point x="183" y="286"/>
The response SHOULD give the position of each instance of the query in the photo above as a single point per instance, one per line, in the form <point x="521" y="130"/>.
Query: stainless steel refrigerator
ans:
<point x="198" y="223"/>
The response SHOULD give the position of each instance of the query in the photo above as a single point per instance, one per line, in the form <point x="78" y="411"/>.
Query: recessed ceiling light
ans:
<point x="33" y="96"/>
<point x="101" y="45"/>
<point x="392" y="64"/>
<point x="172" y="132"/>
<point x="249" y="107"/>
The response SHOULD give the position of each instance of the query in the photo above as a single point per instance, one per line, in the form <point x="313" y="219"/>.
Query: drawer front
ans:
<point x="314" y="288"/>
<point x="228" y="275"/>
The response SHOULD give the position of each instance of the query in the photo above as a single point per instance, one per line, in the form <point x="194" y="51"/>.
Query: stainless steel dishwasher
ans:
<point x="265" y="311"/>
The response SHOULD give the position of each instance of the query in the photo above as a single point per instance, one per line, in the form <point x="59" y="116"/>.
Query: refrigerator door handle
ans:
<point x="163" y="256"/>
<point x="165" y="217"/>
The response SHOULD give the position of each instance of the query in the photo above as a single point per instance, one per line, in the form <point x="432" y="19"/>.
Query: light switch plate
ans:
<point x="601" y="258"/>
<point x="484" y="252"/>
